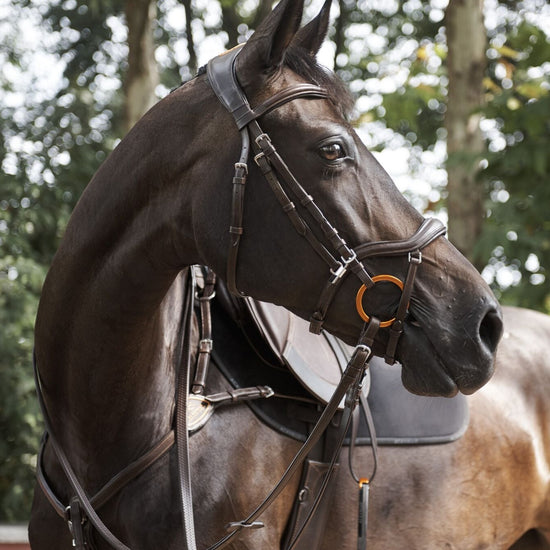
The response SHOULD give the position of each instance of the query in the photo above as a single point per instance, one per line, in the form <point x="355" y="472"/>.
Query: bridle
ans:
<point x="341" y="260"/>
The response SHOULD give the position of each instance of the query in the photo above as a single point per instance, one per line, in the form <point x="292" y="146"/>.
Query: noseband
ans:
<point x="341" y="259"/>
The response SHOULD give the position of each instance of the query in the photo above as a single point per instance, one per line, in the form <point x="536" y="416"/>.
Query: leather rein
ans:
<point x="341" y="260"/>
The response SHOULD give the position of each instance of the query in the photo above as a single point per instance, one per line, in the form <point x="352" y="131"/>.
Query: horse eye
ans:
<point x="332" y="152"/>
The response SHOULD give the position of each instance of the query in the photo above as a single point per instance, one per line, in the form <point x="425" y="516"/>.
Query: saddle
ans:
<point x="260" y="343"/>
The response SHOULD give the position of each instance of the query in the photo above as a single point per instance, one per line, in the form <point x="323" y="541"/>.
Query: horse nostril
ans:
<point x="490" y="329"/>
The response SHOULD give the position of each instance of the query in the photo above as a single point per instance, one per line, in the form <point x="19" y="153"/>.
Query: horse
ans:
<point x="110" y="330"/>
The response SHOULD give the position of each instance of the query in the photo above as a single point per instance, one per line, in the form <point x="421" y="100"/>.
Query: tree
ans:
<point x="466" y="64"/>
<point x="403" y="84"/>
<point x="142" y="75"/>
<point x="516" y="235"/>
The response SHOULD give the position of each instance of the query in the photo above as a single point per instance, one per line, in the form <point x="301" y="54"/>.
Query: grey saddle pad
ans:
<point x="256" y="342"/>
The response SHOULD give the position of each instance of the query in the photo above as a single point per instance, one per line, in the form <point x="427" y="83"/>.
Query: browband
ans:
<point x="223" y="79"/>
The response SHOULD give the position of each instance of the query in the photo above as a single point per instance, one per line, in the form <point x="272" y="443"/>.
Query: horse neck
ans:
<point x="108" y="329"/>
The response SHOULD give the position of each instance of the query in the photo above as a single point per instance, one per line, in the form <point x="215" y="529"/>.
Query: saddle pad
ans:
<point x="250" y="354"/>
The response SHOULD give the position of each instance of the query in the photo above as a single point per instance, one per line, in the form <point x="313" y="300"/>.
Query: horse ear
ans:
<point x="312" y="36"/>
<point x="265" y="50"/>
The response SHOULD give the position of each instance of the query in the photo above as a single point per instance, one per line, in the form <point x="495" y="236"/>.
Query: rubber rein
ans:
<point x="340" y="259"/>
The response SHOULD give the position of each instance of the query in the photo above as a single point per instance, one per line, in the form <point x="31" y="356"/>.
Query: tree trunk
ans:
<point x="466" y="66"/>
<point x="142" y="75"/>
<point x="189" y="35"/>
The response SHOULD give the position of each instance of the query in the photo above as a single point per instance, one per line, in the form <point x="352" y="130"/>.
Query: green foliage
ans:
<point x="518" y="226"/>
<point x="50" y="146"/>
<point x="20" y="424"/>
<point x="411" y="57"/>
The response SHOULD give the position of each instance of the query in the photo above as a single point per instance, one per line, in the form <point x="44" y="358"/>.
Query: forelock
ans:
<point x="305" y="65"/>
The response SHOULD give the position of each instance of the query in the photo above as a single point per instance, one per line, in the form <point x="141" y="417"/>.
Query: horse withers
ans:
<point x="108" y="341"/>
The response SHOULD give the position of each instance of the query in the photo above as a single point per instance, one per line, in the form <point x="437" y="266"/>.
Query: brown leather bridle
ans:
<point x="341" y="259"/>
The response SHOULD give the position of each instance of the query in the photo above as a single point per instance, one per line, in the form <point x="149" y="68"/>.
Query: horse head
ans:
<point x="453" y="324"/>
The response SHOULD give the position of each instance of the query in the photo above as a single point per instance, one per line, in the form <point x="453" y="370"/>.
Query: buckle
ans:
<point x="241" y="166"/>
<point x="343" y="267"/>
<point x="266" y="391"/>
<point x="415" y="257"/>
<point x="206" y="345"/>
<point x="244" y="525"/>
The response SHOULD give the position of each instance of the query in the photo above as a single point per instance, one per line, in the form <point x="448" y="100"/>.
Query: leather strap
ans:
<point x="76" y="487"/>
<point x="429" y="230"/>
<point x="111" y="488"/>
<point x="223" y="79"/>
<point x="75" y="521"/>
<point x="348" y="387"/>
<point x="241" y="394"/>
<point x="314" y="472"/>
<point x="206" y="284"/>
<point x="222" y="76"/>
<point x="182" y="431"/>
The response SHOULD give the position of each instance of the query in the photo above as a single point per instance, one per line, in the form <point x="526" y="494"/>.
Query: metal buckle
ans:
<point x="262" y="137"/>
<point x="415" y="257"/>
<point x="243" y="166"/>
<point x="244" y="525"/>
<point x="202" y="298"/>
<point x="206" y="345"/>
<point x="258" y="157"/>
<point x="343" y="267"/>
<point x="363" y="347"/>
<point x="266" y="391"/>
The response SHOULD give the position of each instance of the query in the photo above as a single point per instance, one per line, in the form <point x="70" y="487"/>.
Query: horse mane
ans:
<point x="300" y="61"/>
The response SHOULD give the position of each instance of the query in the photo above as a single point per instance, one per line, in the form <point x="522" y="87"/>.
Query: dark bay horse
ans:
<point x="109" y="327"/>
